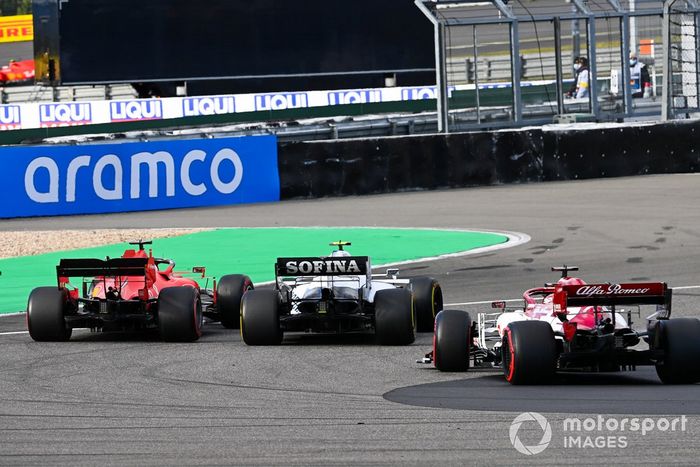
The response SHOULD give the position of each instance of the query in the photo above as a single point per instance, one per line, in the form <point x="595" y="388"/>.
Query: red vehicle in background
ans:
<point x="17" y="72"/>
<point x="135" y="291"/>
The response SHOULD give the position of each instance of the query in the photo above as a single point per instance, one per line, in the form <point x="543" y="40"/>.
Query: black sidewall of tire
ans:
<point x="46" y="315"/>
<point x="452" y="340"/>
<point x="426" y="292"/>
<point x="179" y="314"/>
<point x="394" y="317"/>
<point x="534" y="352"/>
<point x="680" y="343"/>
<point x="229" y="293"/>
<point x="260" y="323"/>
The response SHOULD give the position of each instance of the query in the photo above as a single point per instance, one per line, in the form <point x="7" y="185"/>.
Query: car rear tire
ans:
<point x="229" y="293"/>
<point x="529" y="352"/>
<point x="427" y="302"/>
<point x="680" y="341"/>
<point x="179" y="314"/>
<point x="452" y="340"/>
<point x="260" y="318"/>
<point x="46" y="320"/>
<point x="394" y="317"/>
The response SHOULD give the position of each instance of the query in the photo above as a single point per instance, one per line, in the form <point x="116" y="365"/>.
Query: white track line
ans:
<point x="514" y="239"/>
<point x="13" y="333"/>
<point x="687" y="287"/>
<point x="9" y="315"/>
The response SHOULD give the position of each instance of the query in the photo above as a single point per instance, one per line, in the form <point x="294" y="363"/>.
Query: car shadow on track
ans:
<point x="215" y="333"/>
<point x="638" y="392"/>
<point x="114" y="336"/>
<point x="494" y="376"/>
<point x="212" y="333"/>
<point x="301" y="339"/>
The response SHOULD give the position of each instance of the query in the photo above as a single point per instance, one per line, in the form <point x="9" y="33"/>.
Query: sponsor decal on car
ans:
<point x="610" y="289"/>
<point x="348" y="265"/>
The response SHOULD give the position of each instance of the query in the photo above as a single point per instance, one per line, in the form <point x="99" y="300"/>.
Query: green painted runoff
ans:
<point x="250" y="251"/>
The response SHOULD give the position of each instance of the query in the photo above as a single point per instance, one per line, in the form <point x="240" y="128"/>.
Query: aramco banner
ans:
<point x="90" y="179"/>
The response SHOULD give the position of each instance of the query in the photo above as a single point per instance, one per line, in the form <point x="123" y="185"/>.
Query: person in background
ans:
<point x="580" y="87"/>
<point x="640" y="82"/>
<point x="572" y="89"/>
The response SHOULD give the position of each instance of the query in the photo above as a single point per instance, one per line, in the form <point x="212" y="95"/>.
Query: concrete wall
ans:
<point x="383" y="165"/>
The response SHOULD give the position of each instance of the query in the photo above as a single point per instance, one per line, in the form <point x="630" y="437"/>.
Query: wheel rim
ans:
<point x="508" y="356"/>
<point x="413" y="315"/>
<point x="198" y="317"/>
<point x="436" y="300"/>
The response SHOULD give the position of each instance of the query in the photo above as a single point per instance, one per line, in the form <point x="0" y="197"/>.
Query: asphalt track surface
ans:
<point x="130" y="399"/>
<point x="16" y="51"/>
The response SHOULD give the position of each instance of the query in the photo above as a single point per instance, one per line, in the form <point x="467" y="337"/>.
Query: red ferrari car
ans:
<point x="136" y="291"/>
<point x="17" y="72"/>
<point x="572" y="326"/>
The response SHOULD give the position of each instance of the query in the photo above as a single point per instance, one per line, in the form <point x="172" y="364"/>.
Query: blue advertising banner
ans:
<point x="101" y="178"/>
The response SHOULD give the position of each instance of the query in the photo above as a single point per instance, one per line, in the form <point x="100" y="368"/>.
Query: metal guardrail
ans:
<point x="605" y="32"/>
<point x="534" y="67"/>
<point x="351" y="127"/>
<point x="40" y="93"/>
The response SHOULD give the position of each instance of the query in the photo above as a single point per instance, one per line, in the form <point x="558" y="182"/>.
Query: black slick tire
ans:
<point x="679" y="340"/>
<point x="46" y="320"/>
<point x="229" y="293"/>
<point x="452" y="340"/>
<point x="529" y="352"/>
<point x="427" y="302"/>
<point x="260" y="318"/>
<point x="179" y="314"/>
<point x="394" y="317"/>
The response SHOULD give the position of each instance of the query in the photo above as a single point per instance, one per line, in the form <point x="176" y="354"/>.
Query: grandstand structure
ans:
<point x="523" y="50"/>
<point x="680" y="32"/>
<point x="42" y="93"/>
<point x="507" y="63"/>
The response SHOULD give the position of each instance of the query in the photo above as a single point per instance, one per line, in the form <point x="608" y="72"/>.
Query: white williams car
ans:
<point x="339" y="294"/>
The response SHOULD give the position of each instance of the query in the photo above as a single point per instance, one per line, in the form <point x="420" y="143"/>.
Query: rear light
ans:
<point x="500" y="305"/>
<point x="214" y="292"/>
<point x="569" y="330"/>
<point x="143" y="294"/>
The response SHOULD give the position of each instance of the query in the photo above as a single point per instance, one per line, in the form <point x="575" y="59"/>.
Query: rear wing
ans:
<point x="320" y="266"/>
<point x="642" y="293"/>
<point x="89" y="267"/>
